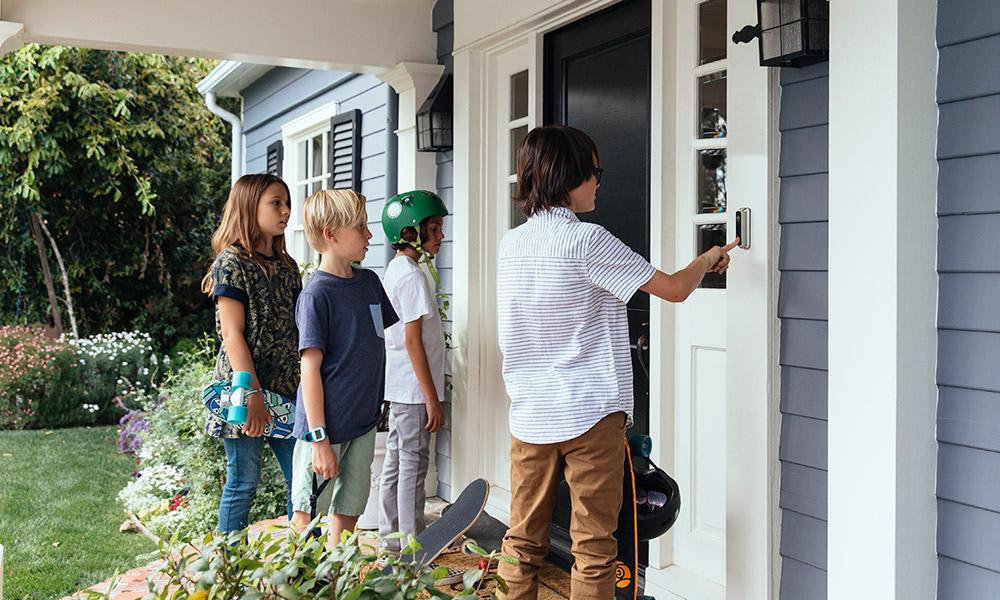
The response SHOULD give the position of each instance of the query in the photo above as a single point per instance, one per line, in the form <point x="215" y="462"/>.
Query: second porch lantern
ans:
<point x="793" y="33"/>
<point x="434" y="119"/>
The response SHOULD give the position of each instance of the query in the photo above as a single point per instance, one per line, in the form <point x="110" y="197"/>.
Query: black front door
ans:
<point x="597" y="79"/>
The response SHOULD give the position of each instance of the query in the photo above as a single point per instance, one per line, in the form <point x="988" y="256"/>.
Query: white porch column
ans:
<point x="413" y="82"/>
<point x="883" y="293"/>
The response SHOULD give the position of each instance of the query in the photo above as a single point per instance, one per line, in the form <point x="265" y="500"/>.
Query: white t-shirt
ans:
<point x="561" y="291"/>
<point x="412" y="296"/>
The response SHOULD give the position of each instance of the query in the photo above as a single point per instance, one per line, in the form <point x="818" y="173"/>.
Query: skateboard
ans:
<point x="282" y="409"/>
<point x="461" y="516"/>
<point x="627" y="562"/>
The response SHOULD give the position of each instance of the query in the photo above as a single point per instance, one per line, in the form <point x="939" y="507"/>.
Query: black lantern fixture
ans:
<point x="790" y="33"/>
<point x="434" y="118"/>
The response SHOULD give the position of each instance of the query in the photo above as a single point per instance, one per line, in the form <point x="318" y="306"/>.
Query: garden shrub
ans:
<point x="170" y="433"/>
<point x="59" y="383"/>
<point x="36" y="382"/>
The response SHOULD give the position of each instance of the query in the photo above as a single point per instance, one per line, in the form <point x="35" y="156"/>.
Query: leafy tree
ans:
<point x="118" y="155"/>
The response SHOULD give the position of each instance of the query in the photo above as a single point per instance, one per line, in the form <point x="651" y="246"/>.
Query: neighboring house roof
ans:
<point x="231" y="77"/>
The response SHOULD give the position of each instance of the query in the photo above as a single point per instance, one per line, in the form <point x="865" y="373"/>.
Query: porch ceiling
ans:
<point x="362" y="36"/>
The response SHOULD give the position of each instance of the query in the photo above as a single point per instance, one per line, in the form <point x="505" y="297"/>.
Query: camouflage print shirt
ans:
<point x="269" y="329"/>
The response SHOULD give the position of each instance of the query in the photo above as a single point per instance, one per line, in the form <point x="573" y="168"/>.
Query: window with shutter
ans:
<point x="345" y="151"/>
<point x="275" y="156"/>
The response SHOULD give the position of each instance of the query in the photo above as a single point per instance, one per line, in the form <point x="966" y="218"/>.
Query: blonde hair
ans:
<point x="239" y="229"/>
<point x="331" y="209"/>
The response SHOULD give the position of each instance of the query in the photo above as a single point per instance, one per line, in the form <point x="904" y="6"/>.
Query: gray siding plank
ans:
<point x="969" y="534"/>
<point x="962" y="20"/>
<point x="962" y="581"/>
<point x="969" y="185"/>
<point x="804" y="343"/>
<point x="803" y="490"/>
<point x="790" y="76"/>
<point x="969" y="417"/>
<point x="803" y="442"/>
<point x="804" y="198"/>
<point x="969" y="127"/>
<point x="804" y="105"/>
<point x="967" y="242"/>
<point x="801" y="581"/>
<point x="968" y="70"/>
<point x="804" y="151"/>
<point x="962" y="476"/>
<point x="803" y="295"/>
<point x="969" y="301"/>
<point x="969" y="359"/>
<point x="804" y="392"/>
<point x="803" y="538"/>
<point x="804" y="247"/>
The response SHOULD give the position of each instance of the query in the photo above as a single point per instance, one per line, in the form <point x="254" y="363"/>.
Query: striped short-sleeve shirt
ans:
<point x="561" y="293"/>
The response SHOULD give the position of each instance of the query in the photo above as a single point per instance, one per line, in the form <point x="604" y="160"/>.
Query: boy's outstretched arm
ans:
<point x="324" y="461"/>
<point x="677" y="287"/>
<point x="414" y="334"/>
<point x="232" y="316"/>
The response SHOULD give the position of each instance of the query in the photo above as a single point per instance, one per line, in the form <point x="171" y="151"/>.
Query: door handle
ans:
<point x="743" y="227"/>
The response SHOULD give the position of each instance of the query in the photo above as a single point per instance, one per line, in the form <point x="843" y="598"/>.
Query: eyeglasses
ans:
<point x="598" y="172"/>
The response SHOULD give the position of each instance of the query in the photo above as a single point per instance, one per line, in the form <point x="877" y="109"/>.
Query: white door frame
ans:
<point x="751" y="401"/>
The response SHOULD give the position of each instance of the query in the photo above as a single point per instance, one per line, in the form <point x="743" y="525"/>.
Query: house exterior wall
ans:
<point x="444" y="28"/>
<point x="284" y="94"/>
<point x="968" y="95"/>
<point x="802" y="309"/>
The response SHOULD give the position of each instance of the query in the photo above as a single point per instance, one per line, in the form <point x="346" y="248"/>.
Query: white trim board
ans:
<point x="882" y="301"/>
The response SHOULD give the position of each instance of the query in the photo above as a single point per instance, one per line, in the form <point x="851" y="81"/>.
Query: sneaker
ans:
<point x="454" y="575"/>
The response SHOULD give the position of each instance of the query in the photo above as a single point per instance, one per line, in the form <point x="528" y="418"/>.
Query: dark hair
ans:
<point x="552" y="161"/>
<point x="409" y="234"/>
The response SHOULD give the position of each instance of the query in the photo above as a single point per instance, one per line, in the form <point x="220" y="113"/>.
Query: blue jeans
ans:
<point x="243" y="460"/>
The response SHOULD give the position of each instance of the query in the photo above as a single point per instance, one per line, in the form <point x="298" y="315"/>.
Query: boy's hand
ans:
<point x="324" y="460"/>
<point x="435" y="415"/>
<point x="257" y="416"/>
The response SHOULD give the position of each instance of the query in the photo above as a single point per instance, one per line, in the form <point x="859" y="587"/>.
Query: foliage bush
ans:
<point x="280" y="564"/>
<point x="117" y="153"/>
<point x="167" y="436"/>
<point x="36" y="380"/>
<point x="58" y="383"/>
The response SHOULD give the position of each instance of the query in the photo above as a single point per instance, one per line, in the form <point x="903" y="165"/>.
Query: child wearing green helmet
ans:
<point x="415" y="351"/>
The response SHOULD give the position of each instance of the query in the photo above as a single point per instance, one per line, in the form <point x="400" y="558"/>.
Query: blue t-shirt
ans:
<point x="346" y="317"/>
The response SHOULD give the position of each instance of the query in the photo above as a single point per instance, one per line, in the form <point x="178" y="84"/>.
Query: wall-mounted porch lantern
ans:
<point x="790" y="33"/>
<point x="434" y="118"/>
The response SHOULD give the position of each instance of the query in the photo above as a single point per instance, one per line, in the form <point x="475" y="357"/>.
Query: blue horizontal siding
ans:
<point x="803" y="307"/>
<point x="968" y="418"/>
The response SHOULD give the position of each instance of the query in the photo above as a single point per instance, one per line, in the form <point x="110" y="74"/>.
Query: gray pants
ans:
<point x="407" y="455"/>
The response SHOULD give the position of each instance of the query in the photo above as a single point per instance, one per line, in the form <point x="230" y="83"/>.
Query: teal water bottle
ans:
<point x="237" y="413"/>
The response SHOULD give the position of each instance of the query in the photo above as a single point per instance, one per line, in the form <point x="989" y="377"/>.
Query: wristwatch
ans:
<point x="315" y="435"/>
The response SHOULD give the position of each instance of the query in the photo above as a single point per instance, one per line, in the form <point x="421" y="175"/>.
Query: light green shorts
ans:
<point x="347" y="494"/>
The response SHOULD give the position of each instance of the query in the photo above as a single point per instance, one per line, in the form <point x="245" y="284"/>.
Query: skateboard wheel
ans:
<point x="640" y="445"/>
<point x="465" y="546"/>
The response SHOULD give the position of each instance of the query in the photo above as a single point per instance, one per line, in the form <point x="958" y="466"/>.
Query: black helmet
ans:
<point x="654" y="518"/>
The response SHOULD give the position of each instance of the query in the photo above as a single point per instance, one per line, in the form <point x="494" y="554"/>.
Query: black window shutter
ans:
<point x="275" y="156"/>
<point x="345" y="151"/>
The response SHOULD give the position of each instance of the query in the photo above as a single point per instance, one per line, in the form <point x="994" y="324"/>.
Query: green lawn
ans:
<point x="58" y="514"/>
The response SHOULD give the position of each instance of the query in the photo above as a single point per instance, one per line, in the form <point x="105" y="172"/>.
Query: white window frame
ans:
<point x="294" y="132"/>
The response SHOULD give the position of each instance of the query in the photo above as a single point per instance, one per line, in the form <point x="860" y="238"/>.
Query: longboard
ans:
<point x="282" y="409"/>
<point x="627" y="564"/>
<point x="460" y="516"/>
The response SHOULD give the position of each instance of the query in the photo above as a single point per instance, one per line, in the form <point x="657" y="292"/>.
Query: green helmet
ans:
<point x="408" y="210"/>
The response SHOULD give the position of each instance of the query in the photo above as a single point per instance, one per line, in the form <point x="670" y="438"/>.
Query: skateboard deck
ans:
<point x="282" y="409"/>
<point x="626" y="569"/>
<point x="442" y="533"/>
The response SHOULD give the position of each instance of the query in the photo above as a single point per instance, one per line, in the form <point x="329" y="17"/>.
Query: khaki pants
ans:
<point x="593" y="464"/>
